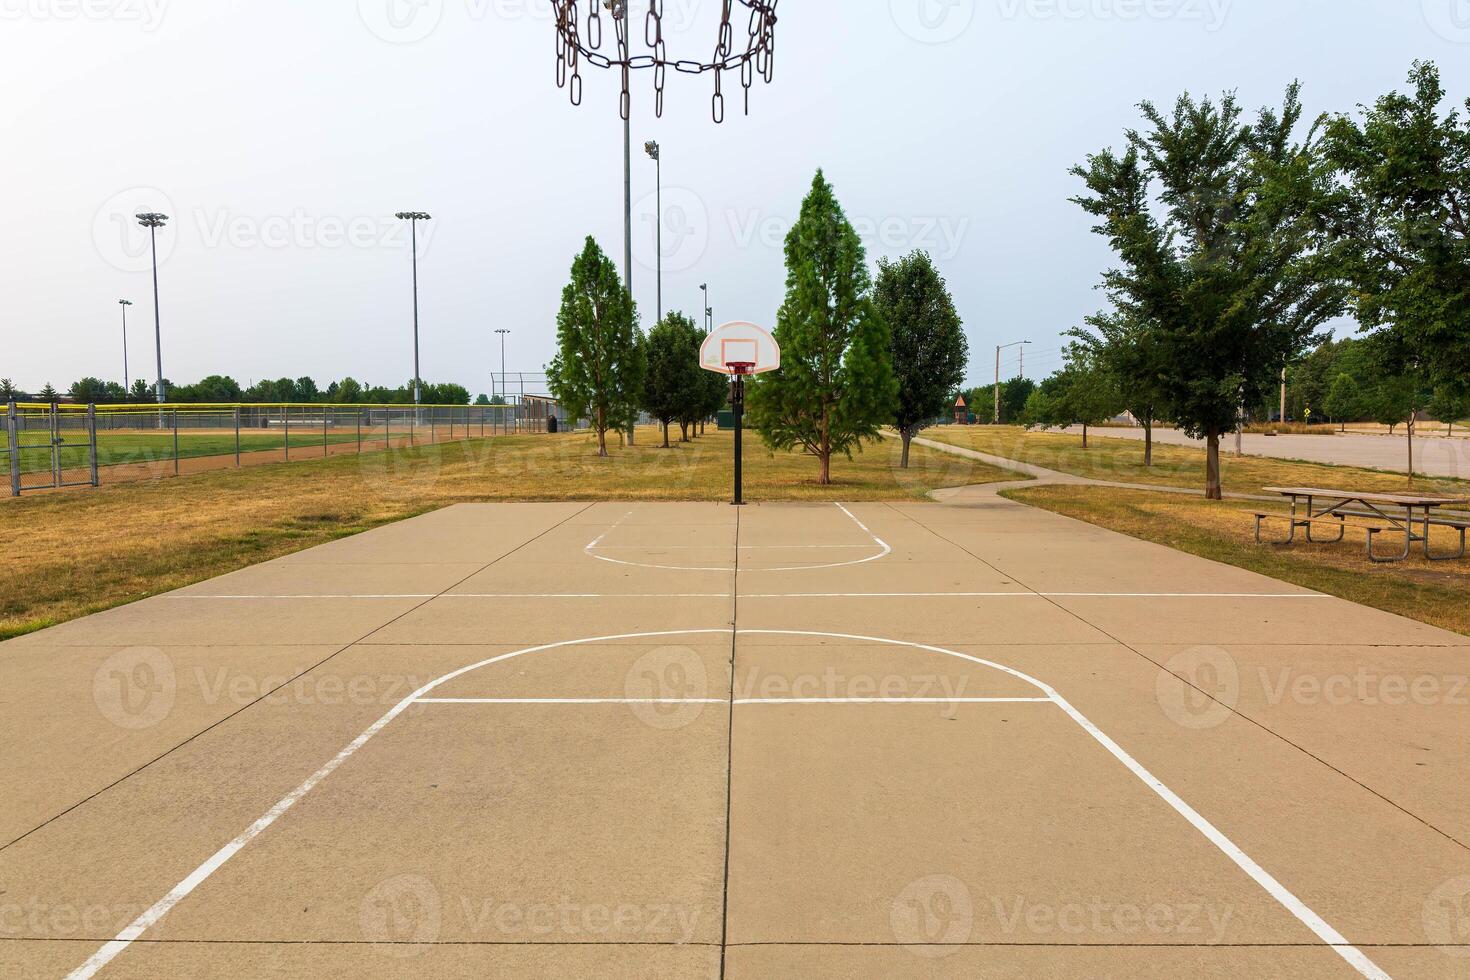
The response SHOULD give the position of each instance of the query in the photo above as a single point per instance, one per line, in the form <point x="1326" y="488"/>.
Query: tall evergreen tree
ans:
<point x="927" y="345"/>
<point x="836" y="384"/>
<point x="598" y="370"/>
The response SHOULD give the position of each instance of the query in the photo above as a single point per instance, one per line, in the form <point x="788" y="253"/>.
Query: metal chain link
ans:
<point x="757" y="59"/>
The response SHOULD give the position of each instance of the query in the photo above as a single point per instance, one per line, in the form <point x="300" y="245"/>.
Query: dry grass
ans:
<point x="1121" y="461"/>
<point x="78" y="552"/>
<point x="1431" y="592"/>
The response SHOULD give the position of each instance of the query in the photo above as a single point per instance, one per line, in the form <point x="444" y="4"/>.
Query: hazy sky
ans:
<point x="282" y="135"/>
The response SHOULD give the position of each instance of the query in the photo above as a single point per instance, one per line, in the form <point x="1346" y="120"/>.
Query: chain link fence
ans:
<point x="48" y="447"/>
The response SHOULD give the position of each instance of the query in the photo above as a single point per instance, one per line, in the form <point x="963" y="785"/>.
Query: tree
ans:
<point x="1220" y="230"/>
<point x="836" y="385"/>
<point x="1082" y="393"/>
<point x="349" y="391"/>
<point x="714" y="395"/>
<point x="1400" y="387"/>
<point x="674" y="388"/>
<point x="927" y="342"/>
<point x="1449" y="405"/>
<point x="1344" y="401"/>
<point x="482" y="399"/>
<point x="596" y="373"/>
<point x="48" y="394"/>
<point x="1125" y="346"/>
<point x="1406" y="219"/>
<point x="140" y="392"/>
<point x="88" y="391"/>
<point x="8" y="390"/>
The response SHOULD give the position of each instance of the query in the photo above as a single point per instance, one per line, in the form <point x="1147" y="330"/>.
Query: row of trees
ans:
<point x="221" y="389"/>
<point x="1238" y="241"/>
<point x="857" y="354"/>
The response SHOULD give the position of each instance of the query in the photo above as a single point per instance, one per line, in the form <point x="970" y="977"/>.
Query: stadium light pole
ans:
<point x="154" y="221"/>
<point x="651" y="148"/>
<point x="1020" y="343"/>
<point x="704" y="286"/>
<point x="502" y="331"/>
<point x="619" y="11"/>
<point x="413" y="218"/>
<point x="125" y="303"/>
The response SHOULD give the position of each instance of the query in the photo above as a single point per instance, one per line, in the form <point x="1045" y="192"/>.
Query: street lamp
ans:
<point x="154" y="221"/>
<point x="651" y="148"/>
<point x="413" y="218"/>
<point x="125" y="303"/>
<point x="1020" y="343"/>
<point x="502" y="331"/>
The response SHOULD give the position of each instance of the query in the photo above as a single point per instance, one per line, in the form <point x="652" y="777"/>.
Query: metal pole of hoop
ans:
<point x="737" y="407"/>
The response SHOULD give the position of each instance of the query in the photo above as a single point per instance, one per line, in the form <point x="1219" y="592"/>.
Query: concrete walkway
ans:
<point x="691" y="740"/>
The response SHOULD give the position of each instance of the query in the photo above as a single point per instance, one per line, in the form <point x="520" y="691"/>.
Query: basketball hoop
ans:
<point x="740" y="350"/>
<point x="758" y="57"/>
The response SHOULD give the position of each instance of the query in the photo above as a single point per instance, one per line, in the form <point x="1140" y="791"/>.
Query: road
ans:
<point x="1435" y="456"/>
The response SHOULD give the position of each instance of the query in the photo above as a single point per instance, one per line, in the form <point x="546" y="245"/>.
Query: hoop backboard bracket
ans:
<point x="740" y="349"/>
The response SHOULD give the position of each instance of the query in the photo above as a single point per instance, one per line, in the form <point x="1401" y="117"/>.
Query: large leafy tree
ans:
<point x="927" y="344"/>
<point x="1220" y="230"/>
<point x="714" y="393"/>
<point x="598" y="370"/>
<point x="1407" y="222"/>
<point x="1125" y="347"/>
<point x="675" y="387"/>
<point x="836" y="385"/>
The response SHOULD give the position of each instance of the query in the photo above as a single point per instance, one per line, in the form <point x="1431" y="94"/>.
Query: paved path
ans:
<point x="690" y="740"/>
<point x="1433" y="456"/>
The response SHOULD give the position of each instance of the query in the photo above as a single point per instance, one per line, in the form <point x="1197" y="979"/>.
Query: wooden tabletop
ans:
<point x="1399" y="499"/>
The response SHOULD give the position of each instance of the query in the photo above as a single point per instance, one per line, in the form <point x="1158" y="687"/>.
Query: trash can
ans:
<point x="551" y="424"/>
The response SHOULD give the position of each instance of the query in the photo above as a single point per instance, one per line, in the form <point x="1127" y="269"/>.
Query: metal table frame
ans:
<point x="1382" y="506"/>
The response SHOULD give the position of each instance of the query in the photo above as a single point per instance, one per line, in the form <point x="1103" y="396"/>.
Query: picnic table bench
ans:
<point x="1376" y="513"/>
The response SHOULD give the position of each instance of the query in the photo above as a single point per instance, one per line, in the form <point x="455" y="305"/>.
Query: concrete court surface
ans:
<point x="968" y="739"/>
<point x="1433" y="455"/>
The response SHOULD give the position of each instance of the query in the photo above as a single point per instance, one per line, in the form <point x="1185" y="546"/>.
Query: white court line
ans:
<point x="1330" y="936"/>
<point x="737" y="702"/>
<point x="884" y="550"/>
<point x="784" y="595"/>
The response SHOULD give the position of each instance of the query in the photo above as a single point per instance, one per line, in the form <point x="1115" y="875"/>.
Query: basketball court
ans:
<point x="693" y="740"/>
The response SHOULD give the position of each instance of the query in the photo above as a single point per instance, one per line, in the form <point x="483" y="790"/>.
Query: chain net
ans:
<point x="577" y="42"/>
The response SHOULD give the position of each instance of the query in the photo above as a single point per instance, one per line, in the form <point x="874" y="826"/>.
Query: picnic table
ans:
<point x="1401" y="513"/>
